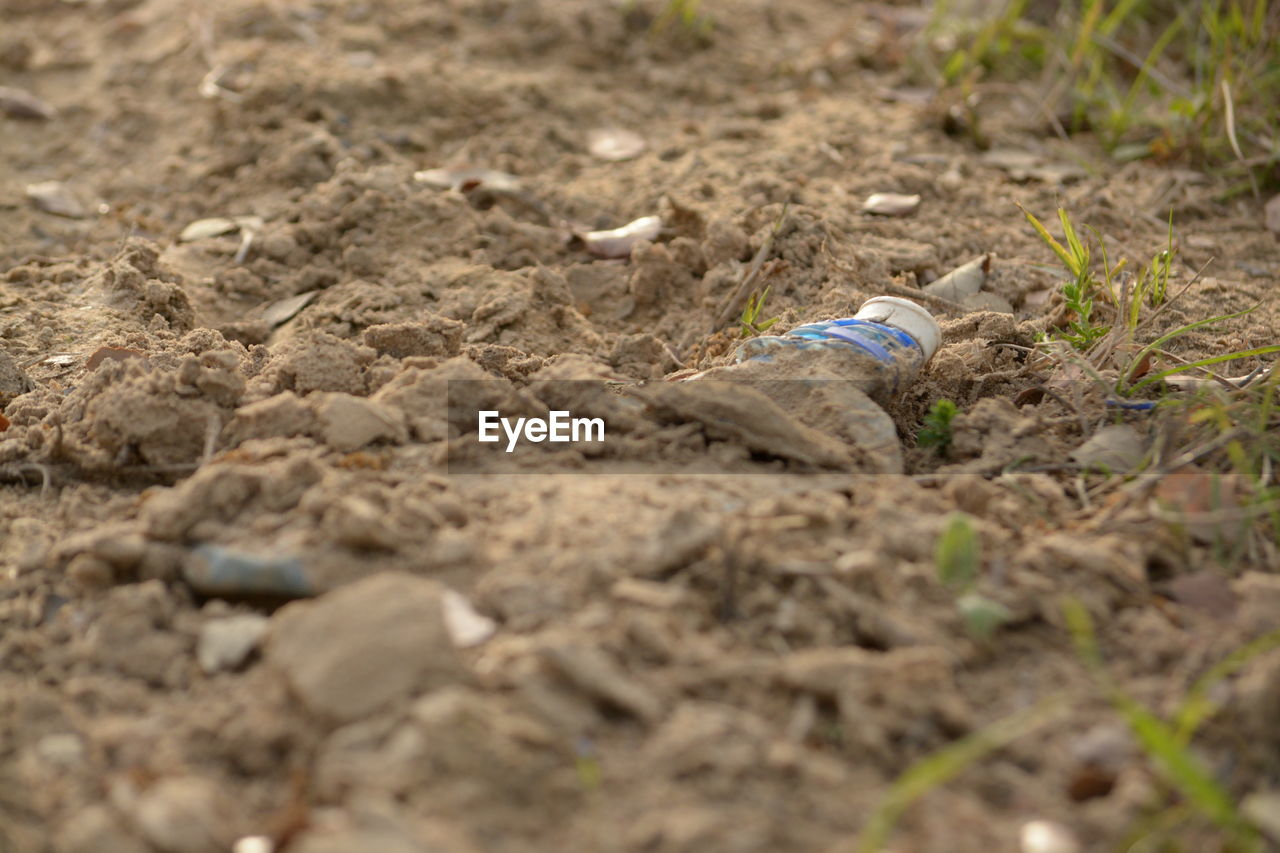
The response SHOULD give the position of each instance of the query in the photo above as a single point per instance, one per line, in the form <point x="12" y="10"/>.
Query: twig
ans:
<point x="730" y="307"/>
<point x="938" y="301"/>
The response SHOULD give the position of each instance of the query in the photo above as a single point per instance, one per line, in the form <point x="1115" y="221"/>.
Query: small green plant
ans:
<point x="685" y="14"/>
<point x="958" y="557"/>
<point x="1081" y="289"/>
<point x="750" y="320"/>
<point x="945" y="764"/>
<point x="1132" y="305"/>
<point x="937" y="431"/>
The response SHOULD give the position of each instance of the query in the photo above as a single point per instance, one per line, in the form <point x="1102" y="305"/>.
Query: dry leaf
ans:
<point x="891" y="204"/>
<point x="611" y="143"/>
<point x="1206" y="592"/>
<point x="202" y="229"/>
<point x="56" y="198"/>
<point x="1116" y="448"/>
<point x="284" y="310"/>
<point x="619" y="242"/>
<point x="1195" y="498"/>
<point x="964" y="280"/>
<point x="467" y="179"/>
<point x="1273" y="215"/>
<point x="4" y="423"/>
<point x="115" y="354"/>
<point x="1038" y="298"/>
<point x="19" y="103"/>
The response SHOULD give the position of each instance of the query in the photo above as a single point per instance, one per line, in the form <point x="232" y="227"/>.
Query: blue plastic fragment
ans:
<point x="221" y="572"/>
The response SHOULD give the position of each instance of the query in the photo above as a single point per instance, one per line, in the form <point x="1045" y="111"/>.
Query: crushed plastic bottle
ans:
<point x="882" y="347"/>
<point x="834" y="376"/>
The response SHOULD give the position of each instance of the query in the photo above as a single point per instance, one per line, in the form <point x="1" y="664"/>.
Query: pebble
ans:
<point x="1045" y="836"/>
<point x="225" y="644"/>
<point x="360" y="648"/>
<point x="63" y="749"/>
<point x="54" y="197"/>
<point x="185" y="815"/>
<point x="19" y="103"/>
<point x="467" y="627"/>
<point x="349" y="423"/>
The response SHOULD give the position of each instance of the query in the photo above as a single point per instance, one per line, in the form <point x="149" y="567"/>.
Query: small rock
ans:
<point x="1205" y="591"/>
<point x="593" y="672"/>
<point x="1263" y="809"/>
<point x="87" y="572"/>
<point x="1116" y="448"/>
<point x="891" y="204"/>
<point x="19" y="103"/>
<point x="63" y="749"/>
<point x="435" y="336"/>
<point x="348" y="423"/>
<point x="224" y="644"/>
<point x="1046" y="836"/>
<point x="202" y="229"/>
<point x="13" y="381"/>
<point x="1273" y="215"/>
<point x="96" y="829"/>
<point x="56" y="198"/>
<point x="963" y="281"/>
<point x="185" y="815"/>
<point x="361" y="647"/>
<point x="350" y="840"/>
<point x="359" y="523"/>
<point x="611" y="143"/>
<point x="285" y="414"/>
<point x="467" y="627"/>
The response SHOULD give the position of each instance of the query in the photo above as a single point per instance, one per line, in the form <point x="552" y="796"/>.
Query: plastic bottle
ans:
<point x="882" y="347"/>
<point x="834" y="375"/>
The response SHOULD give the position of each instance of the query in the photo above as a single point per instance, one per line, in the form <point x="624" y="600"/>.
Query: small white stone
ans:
<point x="466" y="626"/>
<point x="225" y="643"/>
<point x="254" y="844"/>
<point x="1046" y="836"/>
<point x="64" y="749"/>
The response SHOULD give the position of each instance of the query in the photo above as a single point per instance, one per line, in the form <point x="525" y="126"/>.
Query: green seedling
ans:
<point x="687" y="15"/>
<point x="750" y="320"/>
<point x="937" y="430"/>
<point x="1081" y="289"/>
<point x="958" y="557"/>
<point x="1132" y="305"/>
<point x="1165" y="745"/>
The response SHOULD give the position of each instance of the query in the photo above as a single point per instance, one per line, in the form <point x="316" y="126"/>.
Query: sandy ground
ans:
<point x="576" y="656"/>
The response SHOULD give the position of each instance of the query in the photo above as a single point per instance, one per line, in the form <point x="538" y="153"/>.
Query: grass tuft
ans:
<point x="1193" y="80"/>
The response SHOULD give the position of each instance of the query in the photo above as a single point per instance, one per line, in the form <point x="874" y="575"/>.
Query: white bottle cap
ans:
<point x="906" y="316"/>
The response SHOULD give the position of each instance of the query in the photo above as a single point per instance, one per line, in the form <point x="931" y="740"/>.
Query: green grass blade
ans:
<point x="1196" y="707"/>
<point x="1078" y="251"/>
<point x="1181" y="767"/>
<point x="1181" y="330"/>
<point x="943" y="765"/>
<point x="1206" y="362"/>
<point x="1157" y="739"/>
<point x="958" y="552"/>
<point x="1049" y="239"/>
